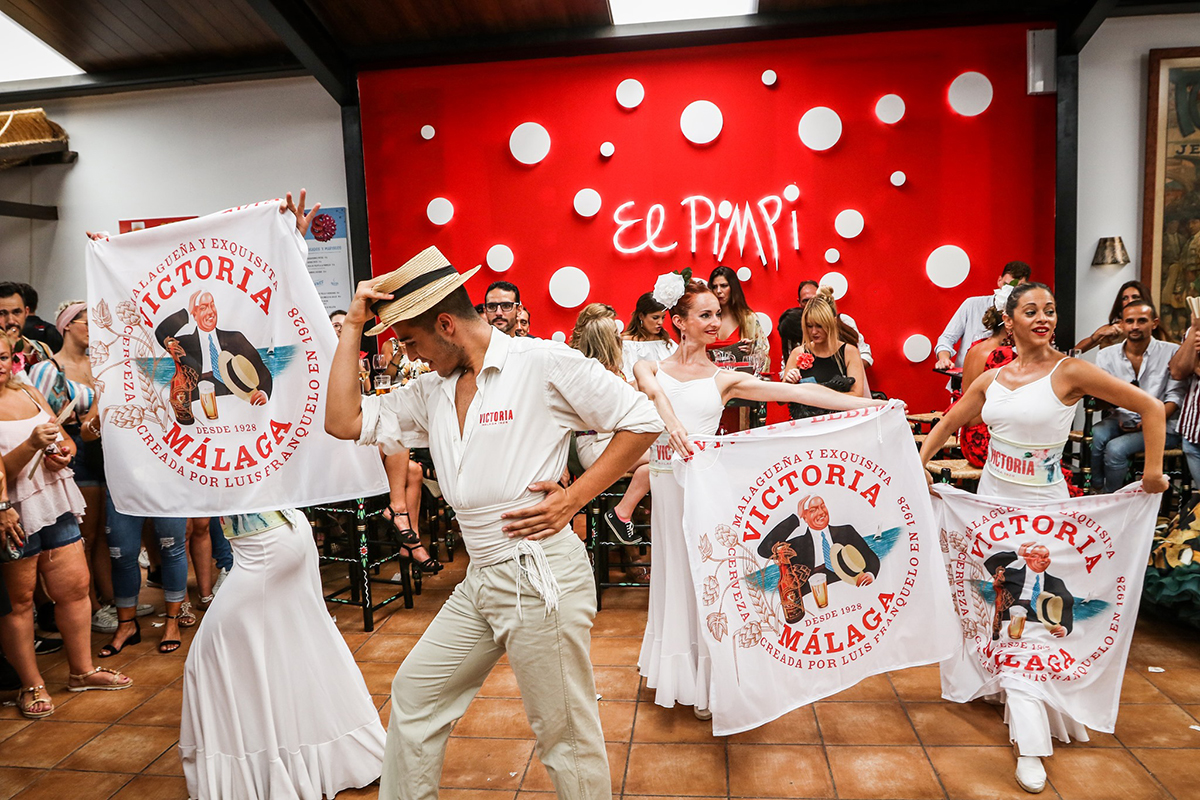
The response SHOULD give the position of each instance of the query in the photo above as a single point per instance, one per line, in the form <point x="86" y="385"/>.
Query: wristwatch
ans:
<point x="5" y="505"/>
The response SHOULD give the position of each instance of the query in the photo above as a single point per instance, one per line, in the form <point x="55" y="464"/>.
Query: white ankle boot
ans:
<point x="1031" y="775"/>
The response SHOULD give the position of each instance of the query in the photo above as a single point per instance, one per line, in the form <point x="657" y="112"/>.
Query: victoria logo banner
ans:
<point x="1047" y="594"/>
<point x="211" y="350"/>
<point x="814" y="555"/>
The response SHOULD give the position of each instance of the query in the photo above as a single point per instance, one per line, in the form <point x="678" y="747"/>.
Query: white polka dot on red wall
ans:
<point x="791" y="193"/>
<point x="427" y="132"/>
<point x="529" y="143"/>
<point x="848" y="223"/>
<point x="837" y="282"/>
<point x="558" y="336"/>
<point x="499" y="258"/>
<point x="820" y="128"/>
<point x="832" y="255"/>
<point x="587" y="202"/>
<point x="744" y="274"/>
<point x="630" y="93"/>
<point x="725" y="209"/>
<point x="970" y="94"/>
<point x="769" y="77"/>
<point x="764" y="322"/>
<point x="890" y="109"/>
<point x="948" y="266"/>
<point x="917" y="348"/>
<point x="607" y="149"/>
<point x="701" y="122"/>
<point x="569" y="286"/>
<point x="898" y="178"/>
<point x="439" y="211"/>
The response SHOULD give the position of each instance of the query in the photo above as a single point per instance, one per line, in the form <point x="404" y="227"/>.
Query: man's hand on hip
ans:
<point x="544" y="519"/>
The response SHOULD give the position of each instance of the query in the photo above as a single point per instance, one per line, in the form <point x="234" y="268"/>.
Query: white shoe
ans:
<point x="105" y="619"/>
<point x="221" y="576"/>
<point x="143" y="559"/>
<point x="1031" y="775"/>
<point x="144" y="609"/>
<point x="702" y="714"/>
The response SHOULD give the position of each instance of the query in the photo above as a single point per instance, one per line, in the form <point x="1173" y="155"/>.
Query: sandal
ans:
<point x="104" y="687"/>
<point x="171" y="645"/>
<point x="26" y="709"/>
<point x="410" y="540"/>
<point x="186" y="617"/>
<point x="109" y="650"/>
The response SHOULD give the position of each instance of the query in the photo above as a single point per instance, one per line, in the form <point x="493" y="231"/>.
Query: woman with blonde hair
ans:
<point x="594" y="311"/>
<point x="823" y="356"/>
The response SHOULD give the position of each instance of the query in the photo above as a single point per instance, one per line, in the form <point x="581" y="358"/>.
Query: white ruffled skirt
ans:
<point x="274" y="706"/>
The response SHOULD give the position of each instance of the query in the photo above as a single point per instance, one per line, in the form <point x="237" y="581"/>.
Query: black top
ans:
<point x="824" y="369"/>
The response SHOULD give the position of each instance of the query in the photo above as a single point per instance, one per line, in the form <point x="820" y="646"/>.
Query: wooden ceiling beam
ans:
<point x="1080" y="23"/>
<point x="312" y="45"/>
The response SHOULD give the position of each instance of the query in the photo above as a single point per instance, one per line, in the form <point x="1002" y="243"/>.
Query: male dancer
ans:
<point x="497" y="415"/>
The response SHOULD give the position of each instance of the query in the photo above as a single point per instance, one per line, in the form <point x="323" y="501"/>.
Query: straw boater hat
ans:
<point x="416" y="287"/>
<point x="238" y="374"/>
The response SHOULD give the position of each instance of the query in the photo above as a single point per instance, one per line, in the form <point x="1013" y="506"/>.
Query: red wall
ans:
<point x="983" y="183"/>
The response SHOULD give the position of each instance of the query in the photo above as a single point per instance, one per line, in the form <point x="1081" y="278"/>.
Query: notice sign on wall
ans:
<point x="329" y="258"/>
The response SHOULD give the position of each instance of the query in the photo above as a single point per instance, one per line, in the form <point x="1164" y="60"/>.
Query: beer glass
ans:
<point x="383" y="384"/>
<point x="1016" y="622"/>
<point x="820" y="590"/>
<point x="208" y="398"/>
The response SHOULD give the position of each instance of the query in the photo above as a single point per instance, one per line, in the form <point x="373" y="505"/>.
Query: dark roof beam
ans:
<point x="1080" y="22"/>
<point x="312" y="45"/>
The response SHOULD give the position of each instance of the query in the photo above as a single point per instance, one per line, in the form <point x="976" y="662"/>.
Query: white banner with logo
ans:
<point x="815" y="559"/>
<point x="1047" y="594"/>
<point x="211" y="352"/>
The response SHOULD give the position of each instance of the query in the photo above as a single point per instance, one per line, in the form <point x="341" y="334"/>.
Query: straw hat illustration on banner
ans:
<point x="238" y="374"/>
<point x="416" y="286"/>
<point x="1050" y="609"/>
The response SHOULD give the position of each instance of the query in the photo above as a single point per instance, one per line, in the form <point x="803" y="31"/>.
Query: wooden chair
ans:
<point x="923" y="423"/>
<point x="956" y="471"/>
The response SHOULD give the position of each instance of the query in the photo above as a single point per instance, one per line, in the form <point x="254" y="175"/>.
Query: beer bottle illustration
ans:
<point x="791" y="579"/>
<point x="182" y="384"/>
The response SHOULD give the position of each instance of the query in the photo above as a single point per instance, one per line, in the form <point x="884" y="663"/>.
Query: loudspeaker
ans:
<point x="1040" y="54"/>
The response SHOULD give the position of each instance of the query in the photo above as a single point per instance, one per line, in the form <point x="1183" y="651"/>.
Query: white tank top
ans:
<point x="1029" y="426"/>
<point x="697" y="404"/>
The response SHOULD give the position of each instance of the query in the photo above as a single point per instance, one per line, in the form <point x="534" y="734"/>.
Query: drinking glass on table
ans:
<point x="723" y="359"/>
<point x="380" y="362"/>
<point x="383" y="383"/>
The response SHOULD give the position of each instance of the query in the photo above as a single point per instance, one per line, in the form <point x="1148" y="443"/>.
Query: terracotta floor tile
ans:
<point x="778" y="770"/>
<point x="123" y="748"/>
<point x="1180" y="684"/>
<point x="463" y="794"/>
<point x="388" y="649"/>
<point x="379" y="676"/>
<point x="154" y="670"/>
<point x="958" y="723"/>
<point x="615" y="651"/>
<point x="10" y="726"/>
<point x="980" y="773"/>
<point x="795" y="727"/>
<point x="355" y="640"/>
<point x="670" y="725"/>
<point x="616" y="719"/>
<point x="1156" y="726"/>
<point x="630" y="597"/>
<point x="537" y="779"/>
<point x="617" y="683"/>
<point x="486" y="763"/>
<point x="1098" y="739"/>
<point x="1167" y="653"/>
<point x="676" y="769"/>
<point x="1094" y="774"/>
<point x="864" y="723"/>
<point x="156" y="787"/>
<point x="1194" y="710"/>
<point x="1136" y="689"/>
<point x="163" y="709"/>
<point x="46" y="742"/>
<point x="101" y="706"/>
<point x="14" y="779"/>
<point x="60" y="784"/>
<point x="500" y="683"/>
<point x="896" y="773"/>
<point x="918" y="684"/>
<point x="876" y="688"/>
<point x="371" y="792"/>
<point x="1177" y="770"/>
<point x="620" y="622"/>
<point x="405" y="620"/>
<point x="496" y="718"/>
<point x="167" y="764"/>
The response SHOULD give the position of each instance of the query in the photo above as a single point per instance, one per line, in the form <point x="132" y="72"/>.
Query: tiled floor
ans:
<point x="889" y="737"/>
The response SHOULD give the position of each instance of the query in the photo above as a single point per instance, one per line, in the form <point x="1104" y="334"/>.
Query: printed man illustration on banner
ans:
<point x="1047" y="595"/>
<point x="211" y="350"/>
<point x="813" y="551"/>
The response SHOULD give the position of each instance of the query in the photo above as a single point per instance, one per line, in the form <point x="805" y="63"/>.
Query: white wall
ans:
<point x="166" y="153"/>
<point x="1112" y="139"/>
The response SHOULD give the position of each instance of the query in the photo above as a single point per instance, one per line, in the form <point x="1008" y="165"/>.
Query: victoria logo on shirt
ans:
<point x="500" y="417"/>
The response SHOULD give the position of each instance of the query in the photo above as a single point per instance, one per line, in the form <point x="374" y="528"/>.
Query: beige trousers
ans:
<point x="550" y="657"/>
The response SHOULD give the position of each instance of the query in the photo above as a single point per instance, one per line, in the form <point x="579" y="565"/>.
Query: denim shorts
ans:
<point x="60" y="533"/>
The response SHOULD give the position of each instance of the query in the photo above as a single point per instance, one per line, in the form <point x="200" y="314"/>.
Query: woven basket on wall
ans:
<point x="24" y="127"/>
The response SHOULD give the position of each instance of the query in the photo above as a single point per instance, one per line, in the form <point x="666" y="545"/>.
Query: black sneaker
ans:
<point x="622" y="531"/>
<point x="44" y="647"/>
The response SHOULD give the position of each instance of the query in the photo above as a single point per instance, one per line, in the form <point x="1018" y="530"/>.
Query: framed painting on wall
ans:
<point x="1171" y="205"/>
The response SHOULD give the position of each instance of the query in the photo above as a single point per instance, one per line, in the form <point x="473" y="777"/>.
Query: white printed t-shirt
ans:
<point x="531" y="395"/>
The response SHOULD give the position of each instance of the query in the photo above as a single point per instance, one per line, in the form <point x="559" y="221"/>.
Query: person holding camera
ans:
<point x="46" y="543"/>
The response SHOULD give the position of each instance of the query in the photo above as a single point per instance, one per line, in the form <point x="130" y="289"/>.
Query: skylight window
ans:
<point x="25" y="57"/>
<point x="631" y="12"/>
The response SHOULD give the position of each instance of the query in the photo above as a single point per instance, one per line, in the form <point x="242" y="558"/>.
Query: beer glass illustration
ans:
<point x="208" y="398"/>
<point x="820" y="591"/>
<point x="1016" y="622"/>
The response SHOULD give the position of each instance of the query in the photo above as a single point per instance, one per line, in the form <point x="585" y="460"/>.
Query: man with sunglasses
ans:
<point x="500" y="303"/>
<point x="1144" y="362"/>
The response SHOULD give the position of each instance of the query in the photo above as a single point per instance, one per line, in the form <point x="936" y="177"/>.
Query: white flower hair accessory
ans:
<point x="1000" y="297"/>
<point x="670" y="287"/>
